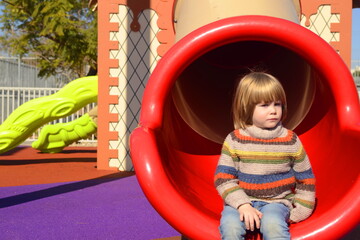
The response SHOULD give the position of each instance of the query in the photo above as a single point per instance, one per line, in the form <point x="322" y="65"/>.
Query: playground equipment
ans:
<point x="53" y="138"/>
<point x="30" y="116"/>
<point x="186" y="114"/>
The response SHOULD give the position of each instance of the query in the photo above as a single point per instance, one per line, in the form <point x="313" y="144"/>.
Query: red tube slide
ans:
<point x="185" y="116"/>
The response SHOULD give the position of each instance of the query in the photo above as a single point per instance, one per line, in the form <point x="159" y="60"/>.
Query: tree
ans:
<point x="356" y="73"/>
<point x="62" y="34"/>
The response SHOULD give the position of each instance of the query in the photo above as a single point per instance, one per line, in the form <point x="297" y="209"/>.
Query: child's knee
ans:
<point x="231" y="227"/>
<point x="274" y="228"/>
<point x="232" y="230"/>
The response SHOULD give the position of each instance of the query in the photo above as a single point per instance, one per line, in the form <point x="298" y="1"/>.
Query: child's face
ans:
<point x="267" y="115"/>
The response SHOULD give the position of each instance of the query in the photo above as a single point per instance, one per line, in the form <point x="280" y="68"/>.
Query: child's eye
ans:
<point x="278" y="104"/>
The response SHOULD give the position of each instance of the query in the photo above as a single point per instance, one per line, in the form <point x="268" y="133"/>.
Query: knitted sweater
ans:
<point x="266" y="165"/>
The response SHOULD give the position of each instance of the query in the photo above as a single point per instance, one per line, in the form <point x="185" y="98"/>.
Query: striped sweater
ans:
<point x="266" y="165"/>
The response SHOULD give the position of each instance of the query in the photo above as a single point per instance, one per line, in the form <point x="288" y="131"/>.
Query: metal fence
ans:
<point x="13" y="97"/>
<point x="355" y="70"/>
<point x="23" y="72"/>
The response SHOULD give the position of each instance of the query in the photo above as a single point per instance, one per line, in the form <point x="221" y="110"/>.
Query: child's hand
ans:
<point x="249" y="216"/>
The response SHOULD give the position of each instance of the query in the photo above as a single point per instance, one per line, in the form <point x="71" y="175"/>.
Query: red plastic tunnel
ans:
<point x="186" y="115"/>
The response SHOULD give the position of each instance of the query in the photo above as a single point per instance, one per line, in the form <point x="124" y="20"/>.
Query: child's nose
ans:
<point x="273" y="109"/>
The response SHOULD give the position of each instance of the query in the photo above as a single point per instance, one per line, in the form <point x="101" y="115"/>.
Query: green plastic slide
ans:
<point x="30" y="116"/>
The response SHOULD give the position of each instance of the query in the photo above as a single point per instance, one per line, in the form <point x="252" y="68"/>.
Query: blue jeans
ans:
<point x="273" y="224"/>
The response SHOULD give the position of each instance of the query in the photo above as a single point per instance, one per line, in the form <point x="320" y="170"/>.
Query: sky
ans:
<point x="355" y="43"/>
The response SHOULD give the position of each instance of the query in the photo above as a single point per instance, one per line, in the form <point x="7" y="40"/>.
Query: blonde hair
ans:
<point x="254" y="88"/>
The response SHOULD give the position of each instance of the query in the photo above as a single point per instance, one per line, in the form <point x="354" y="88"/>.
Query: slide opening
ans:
<point x="198" y="117"/>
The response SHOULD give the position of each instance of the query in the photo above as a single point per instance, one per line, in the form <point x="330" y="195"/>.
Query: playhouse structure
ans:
<point x="166" y="71"/>
<point x="134" y="35"/>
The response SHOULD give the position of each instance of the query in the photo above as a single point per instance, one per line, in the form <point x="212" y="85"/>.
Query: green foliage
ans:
<point x="61" y="33"/>
<point x="356" y="73"/>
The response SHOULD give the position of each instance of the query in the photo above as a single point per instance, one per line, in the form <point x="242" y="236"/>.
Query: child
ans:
<point x="263" y="175"/>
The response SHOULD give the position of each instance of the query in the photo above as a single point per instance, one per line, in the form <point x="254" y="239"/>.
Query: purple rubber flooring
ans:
<point x="91" y="209"/>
